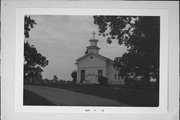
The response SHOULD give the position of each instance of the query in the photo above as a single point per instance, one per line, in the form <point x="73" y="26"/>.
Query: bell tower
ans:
<point x="93" y="48"/>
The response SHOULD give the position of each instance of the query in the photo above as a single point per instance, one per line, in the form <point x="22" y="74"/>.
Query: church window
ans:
<point x="82" y="76"/>
<point x="100" y="72"/>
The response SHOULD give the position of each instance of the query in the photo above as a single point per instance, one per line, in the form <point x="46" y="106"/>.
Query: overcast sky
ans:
<point x="63" y="39"/>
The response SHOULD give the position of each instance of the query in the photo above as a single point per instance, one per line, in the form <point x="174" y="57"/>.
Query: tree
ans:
<point x="28" y="24"/>
<point x="74" y="76"/>
<point x="33" y="60"/>
<point x="141" y="36"/>
<point x="55" y="79"/>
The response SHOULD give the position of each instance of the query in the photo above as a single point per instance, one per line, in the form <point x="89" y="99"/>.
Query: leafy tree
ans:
<point x="33" y="60"/>
<point x="74" y="76"/>
<point x="28" y="24"/>
<point x="141" y="36"/>
<point x="55" y="79"/>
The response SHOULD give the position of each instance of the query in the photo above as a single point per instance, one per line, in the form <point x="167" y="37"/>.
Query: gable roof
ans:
<point x="97" y="55"/>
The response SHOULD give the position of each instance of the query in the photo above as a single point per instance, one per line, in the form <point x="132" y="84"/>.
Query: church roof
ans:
<point x="97" y="55"/>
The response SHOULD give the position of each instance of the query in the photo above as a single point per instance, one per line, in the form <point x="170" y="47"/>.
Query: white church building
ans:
<point x="92" y="65"/>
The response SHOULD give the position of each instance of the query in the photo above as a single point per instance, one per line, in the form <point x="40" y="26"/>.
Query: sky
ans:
<point x="63" y="39"/>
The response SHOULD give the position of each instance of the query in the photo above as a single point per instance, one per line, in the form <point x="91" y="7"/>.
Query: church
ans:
<point x="92" y="65"/>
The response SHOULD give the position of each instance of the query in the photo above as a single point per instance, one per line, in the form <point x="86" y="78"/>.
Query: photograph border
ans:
<point x="11" y="92"/>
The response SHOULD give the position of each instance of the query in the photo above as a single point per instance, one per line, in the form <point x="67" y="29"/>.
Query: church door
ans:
<point x="100" y="72"/>
<point x="82" y="76"/>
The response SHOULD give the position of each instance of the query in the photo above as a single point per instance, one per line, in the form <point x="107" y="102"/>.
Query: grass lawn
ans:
<point x="31" y="98"/>
<point x="131" y="97"/>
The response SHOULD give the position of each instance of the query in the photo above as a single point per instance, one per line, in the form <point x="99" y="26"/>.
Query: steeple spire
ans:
<point x="93" y="48"/>
<point x="93" y="34"/>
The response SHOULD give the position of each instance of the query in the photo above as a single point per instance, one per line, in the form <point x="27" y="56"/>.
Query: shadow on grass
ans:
<point x="131" y="97"/>
<point x="31" y="98"/>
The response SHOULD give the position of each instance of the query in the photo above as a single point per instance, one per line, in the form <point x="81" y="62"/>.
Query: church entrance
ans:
<point x="90" y="75"/>
<point x="100" y="72"/>
<point x="82" y="76"/>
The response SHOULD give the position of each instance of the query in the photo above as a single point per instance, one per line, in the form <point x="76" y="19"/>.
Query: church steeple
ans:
<point x="93" y="48"/>
<point x="94" y="34"/>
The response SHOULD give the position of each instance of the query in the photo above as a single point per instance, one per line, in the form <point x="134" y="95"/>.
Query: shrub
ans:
<point x="130" y="83"/>
<point x="102" y="80"/>
<point x="74" y="76"/>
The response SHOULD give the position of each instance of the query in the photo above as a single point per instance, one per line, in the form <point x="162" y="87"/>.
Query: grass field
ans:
<point x="31" y="98"/>
<point x="131" y="97"/>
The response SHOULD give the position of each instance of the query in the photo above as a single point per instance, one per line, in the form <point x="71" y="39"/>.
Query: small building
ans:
<point x="92" y="65"/>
